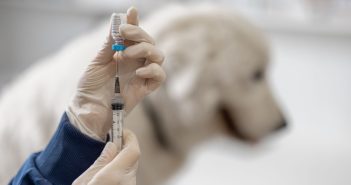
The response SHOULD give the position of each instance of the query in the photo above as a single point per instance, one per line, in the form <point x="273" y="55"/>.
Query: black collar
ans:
<point x="156" y="123"/>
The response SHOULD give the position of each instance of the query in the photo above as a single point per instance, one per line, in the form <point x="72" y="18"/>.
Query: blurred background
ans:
<point x="310" y="74"/>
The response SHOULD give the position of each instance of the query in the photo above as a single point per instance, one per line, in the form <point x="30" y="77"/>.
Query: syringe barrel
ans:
<point x="117" y="106"/>
<point x="117" y="128"/>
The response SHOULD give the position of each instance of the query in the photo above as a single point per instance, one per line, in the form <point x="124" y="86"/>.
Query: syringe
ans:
<point x="117" y="117"/>
<point x="117" y="102"/>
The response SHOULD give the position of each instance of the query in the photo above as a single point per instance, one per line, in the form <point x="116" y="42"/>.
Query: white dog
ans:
<point x="215" y="62"/>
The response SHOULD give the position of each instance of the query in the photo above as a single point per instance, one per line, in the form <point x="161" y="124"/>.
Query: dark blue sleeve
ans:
<point x="68" y="155"/>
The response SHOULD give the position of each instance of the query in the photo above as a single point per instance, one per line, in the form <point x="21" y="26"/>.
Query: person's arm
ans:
<point x="72" y="150"/>
<point x="66" y="157"/>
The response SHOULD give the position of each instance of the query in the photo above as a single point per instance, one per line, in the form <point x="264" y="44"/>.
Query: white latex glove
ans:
<point x="111" y="168"/>
<point x="139" y="67"/>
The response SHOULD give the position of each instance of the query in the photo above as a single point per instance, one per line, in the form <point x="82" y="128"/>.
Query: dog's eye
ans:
<point x="258" y="75"/>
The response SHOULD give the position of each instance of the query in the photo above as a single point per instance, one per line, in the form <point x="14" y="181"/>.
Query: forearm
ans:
<point x="68" y="154"/>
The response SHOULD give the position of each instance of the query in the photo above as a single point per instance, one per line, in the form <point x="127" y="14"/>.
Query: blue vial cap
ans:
<point x="118" y="47"/>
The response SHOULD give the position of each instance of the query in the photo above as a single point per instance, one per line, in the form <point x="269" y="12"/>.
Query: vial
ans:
<point x="117" y="20"/>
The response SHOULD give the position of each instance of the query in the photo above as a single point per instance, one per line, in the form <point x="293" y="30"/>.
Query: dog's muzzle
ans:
<point x="230" y="124"/>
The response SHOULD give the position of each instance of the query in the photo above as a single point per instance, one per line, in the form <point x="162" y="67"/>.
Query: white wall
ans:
<point x="26" y="35"/>
<point x="30" y="30"/>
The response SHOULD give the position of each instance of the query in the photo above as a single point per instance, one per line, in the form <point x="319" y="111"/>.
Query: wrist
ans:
<point x="77" y="121"/>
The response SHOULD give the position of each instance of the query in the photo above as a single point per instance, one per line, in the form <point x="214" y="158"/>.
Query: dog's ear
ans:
<point x="182" y="83"/>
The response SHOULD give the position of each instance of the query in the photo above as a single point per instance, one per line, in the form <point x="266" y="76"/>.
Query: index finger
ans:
<point x="132" y="16"/>
<point x="133" y="19"/>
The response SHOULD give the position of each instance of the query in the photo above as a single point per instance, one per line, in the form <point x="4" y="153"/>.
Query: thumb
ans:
<point x="106" y="156"/>
<point x="128" y="156"/>
<point x="100" y="70"/>
<point x="105" y="54"/>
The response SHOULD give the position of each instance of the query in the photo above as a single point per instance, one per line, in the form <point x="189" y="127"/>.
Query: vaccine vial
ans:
<point x="117" y="20"/>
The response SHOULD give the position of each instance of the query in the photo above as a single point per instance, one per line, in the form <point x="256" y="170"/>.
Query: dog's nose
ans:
<point x="283" y="124"/>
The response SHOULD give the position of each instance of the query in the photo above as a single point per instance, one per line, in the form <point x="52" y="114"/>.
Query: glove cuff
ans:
<point x="77" y="123"/>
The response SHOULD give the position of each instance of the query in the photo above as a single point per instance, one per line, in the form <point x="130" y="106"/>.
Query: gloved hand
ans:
<point x="111" y="168"/>
<point x="139" y="67"/>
